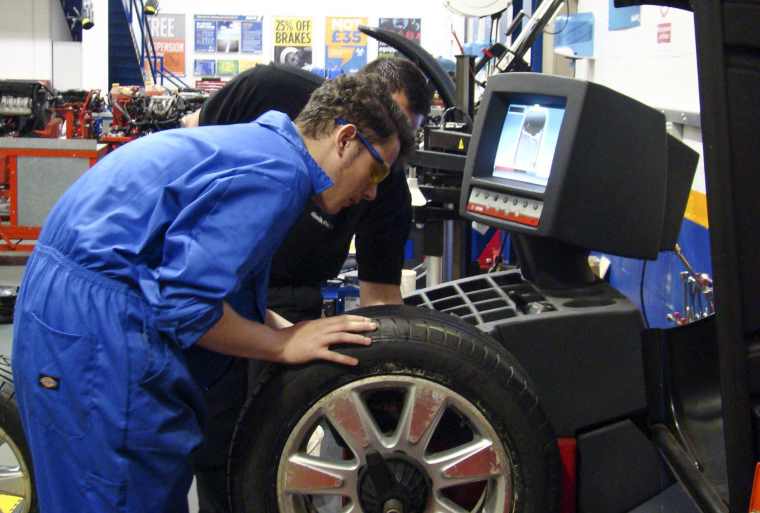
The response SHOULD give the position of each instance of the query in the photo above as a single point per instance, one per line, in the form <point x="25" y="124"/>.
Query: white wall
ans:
<point x="95" y="50"/>
<point x="663" y="75"/>
<point x="28" y="30"/>
<point x="632" y="62"/>
<point x="436" y="21"/>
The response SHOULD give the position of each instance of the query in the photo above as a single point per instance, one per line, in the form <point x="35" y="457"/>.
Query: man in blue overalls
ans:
<point x="146" y="256"/>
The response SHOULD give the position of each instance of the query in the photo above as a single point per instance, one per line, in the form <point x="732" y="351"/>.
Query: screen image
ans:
<point x="527" y="142"/>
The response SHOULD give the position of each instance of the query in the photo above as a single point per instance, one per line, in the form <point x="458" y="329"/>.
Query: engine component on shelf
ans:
<point x="138" y="111"/>
<point x="23" y="107"/>
<point x="77" y="109"/>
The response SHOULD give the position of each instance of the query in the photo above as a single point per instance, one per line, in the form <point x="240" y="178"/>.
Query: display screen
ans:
<point x="528" y="141"/>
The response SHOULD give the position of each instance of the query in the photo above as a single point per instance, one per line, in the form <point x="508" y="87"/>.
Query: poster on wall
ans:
<point x="346" y="50"/>
<point x="204" y="68"/>
<point x="622" y="18"/>
<point x="228" y="34"/>
<point x="410" y="28"/>
<point x="168" y="31"/>
<point x="247" y="64"/>
<point x="227" y="67"/>
<point x="292" y="41"/>
<point x="205" y="36"/>
<point x="252" y="29"/>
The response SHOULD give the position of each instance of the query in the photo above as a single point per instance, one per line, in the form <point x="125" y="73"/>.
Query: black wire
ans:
<point x="641" y="294"/>
<point x="567" y="20"/>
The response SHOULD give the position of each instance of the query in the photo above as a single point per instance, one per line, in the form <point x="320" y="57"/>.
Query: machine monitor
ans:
<point x="576" y="162"/>
<point x="528" y="140"/>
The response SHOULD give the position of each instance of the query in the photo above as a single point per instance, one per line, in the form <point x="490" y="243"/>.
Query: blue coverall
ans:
<point x="130" y="270"/>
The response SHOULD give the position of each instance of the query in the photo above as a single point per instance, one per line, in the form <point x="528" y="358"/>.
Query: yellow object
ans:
<point x="696" y="209"/>
<point x="461" y="144"/>
<point x="9" y="503"/>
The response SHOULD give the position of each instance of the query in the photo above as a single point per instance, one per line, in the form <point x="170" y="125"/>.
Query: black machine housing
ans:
<point x="618" y="183"/>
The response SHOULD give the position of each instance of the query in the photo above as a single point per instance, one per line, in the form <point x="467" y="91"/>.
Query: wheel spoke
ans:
<point x="469" y="463"/>
<point x="423" y="409"/>
<point x="350" y="416"/>
<point x="12" y="481"/>
<point x="441" y="504"/>
<point x="305" y="475"/>
<point x="317" y="469"/>
<point x="351" y="508"/>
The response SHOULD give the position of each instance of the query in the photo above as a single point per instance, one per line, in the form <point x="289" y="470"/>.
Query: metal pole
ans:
<point x="433" y="270"/>
<point x="465" y="83"/>
<point x="448" y="250"/>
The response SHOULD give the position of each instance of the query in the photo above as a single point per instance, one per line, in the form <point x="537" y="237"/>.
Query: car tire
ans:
<point x="437" y="405"/>
<point x="16" y="474"/>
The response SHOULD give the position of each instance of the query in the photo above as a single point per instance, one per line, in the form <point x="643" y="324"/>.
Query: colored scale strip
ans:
<point x="502" y="214"/>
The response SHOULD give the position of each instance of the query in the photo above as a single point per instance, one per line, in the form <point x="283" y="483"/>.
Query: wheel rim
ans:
<point x="319" y="475"/>
<point x="15" y="480"/>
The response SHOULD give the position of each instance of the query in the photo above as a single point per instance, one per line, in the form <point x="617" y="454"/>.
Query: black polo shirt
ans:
<point x="318" y="243"/>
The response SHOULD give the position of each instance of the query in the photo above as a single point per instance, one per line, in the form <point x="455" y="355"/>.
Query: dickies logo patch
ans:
<point x="49" y="382"/>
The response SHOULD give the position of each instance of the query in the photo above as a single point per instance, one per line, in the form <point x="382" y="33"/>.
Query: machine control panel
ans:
<point x="508" y="207"/>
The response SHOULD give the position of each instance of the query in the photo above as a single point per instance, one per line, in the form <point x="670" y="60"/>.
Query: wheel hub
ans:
<point x="392" y="485"/>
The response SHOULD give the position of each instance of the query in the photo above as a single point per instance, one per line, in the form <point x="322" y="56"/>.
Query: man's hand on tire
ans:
<point x="311" y="340"/>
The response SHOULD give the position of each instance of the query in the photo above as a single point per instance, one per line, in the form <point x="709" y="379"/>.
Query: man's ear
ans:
<point x="343" y="136"/>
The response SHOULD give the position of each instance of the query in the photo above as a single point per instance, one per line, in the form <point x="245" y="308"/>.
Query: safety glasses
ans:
<point x="379" y="170"/>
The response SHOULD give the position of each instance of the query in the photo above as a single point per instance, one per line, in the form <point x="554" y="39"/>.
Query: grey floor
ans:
<point x="10" y="276"/>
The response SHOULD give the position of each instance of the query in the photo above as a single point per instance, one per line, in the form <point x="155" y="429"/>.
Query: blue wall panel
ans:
<point x="663" y="289"/>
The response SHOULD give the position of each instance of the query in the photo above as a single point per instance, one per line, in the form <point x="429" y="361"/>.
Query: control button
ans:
<point x="525" y="204"/>
<point x="535" y="206"/>
<point x="514" y="201"/>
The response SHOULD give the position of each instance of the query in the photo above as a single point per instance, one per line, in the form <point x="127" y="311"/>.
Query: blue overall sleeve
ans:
<point x="229" y="231"/>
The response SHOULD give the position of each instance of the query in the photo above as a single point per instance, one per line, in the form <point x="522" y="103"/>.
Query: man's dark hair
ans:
<point x="364" y="100"/>
<point x="402" y="75"/>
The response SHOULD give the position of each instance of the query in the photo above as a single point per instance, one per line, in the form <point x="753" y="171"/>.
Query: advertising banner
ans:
<point x="292" y="41"/>
<point x="168" y="32"/>
<point x="204" y="68"/>
<point x="410" y="28"/>
<point x="252" y="29"/>
<point x="228" y="34"/>
<point x="346" y="50"/>
<point x="205" y="36"/>
<point x="227" y="67"/>
<point x="247" y="64"/>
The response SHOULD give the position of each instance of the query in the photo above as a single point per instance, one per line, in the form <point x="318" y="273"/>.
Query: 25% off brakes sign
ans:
<point x="293" y="32"/>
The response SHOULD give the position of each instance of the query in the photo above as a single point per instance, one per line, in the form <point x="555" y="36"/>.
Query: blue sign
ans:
<point x="574" y="35"/>
<point x="205" y="36"/>
<point x="252" y="31"/>
<point x="622" y="18"/>
<point x="204" y="68"/>
<point x="352" y="62"/>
